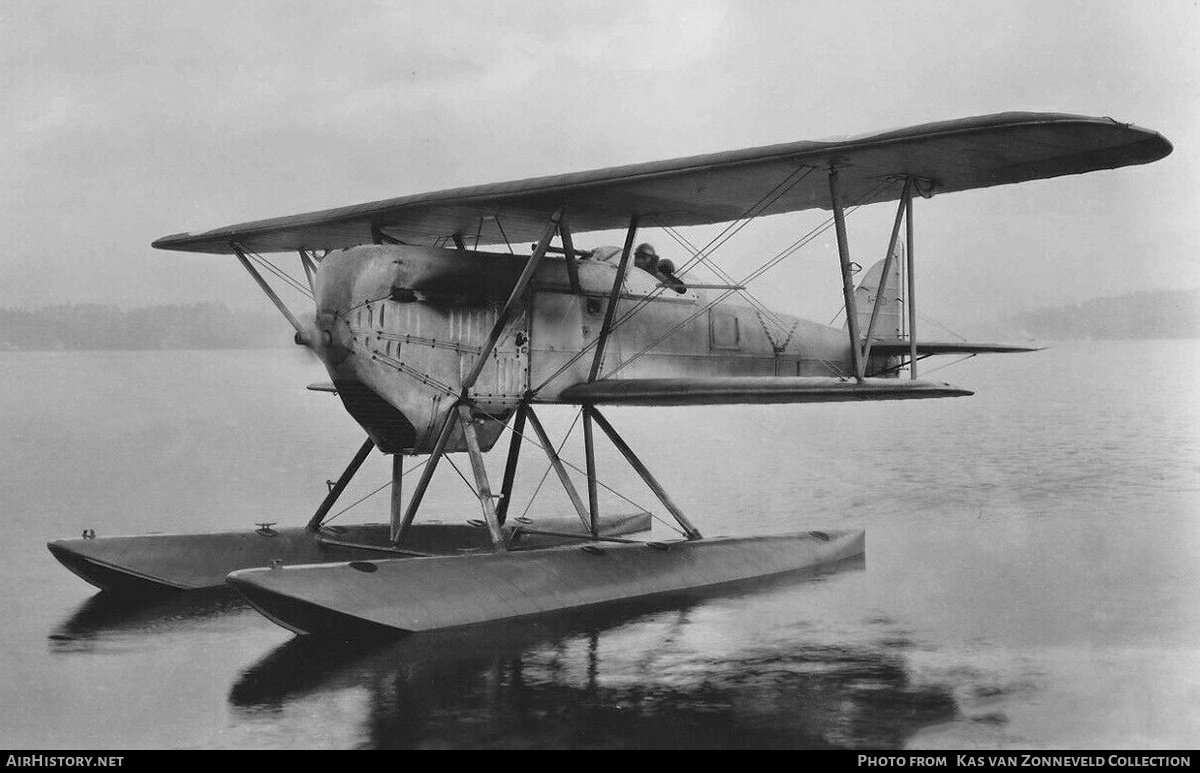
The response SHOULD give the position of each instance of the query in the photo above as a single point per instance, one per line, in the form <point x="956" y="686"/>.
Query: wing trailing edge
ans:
<point x="957" y="155"/>
<point x="731" y="390"/>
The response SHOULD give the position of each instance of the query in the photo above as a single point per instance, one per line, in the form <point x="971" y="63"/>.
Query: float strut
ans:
<point x="335" y="491"/>
<point x="397" y="504"/>
<point x="691" y="531"/>
<point x="481" y="479"/>
<point x="589" y="449"/>
<point x="557" y="464"/>
<point x="510" y="466"/>
<point x="435" y="456"/>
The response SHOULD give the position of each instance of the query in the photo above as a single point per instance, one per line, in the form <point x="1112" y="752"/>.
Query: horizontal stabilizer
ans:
<point x="898" y="347"/>
<point x="322" y="386"/>
<point x="751" y="389"/>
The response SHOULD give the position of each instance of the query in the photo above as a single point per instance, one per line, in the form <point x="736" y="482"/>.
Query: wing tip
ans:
<point x="170" y="241"/>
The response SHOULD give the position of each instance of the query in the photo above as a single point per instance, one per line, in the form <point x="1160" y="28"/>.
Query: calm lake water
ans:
<point x="1032" y="577"/>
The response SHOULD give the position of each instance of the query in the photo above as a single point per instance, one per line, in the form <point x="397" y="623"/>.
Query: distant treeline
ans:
<point x="175" y="326"/>
<point x="1143" y="315"/>
<point x="1158" y="314"/>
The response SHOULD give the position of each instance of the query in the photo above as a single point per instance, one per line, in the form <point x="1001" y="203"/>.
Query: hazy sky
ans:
<point x="125" y="121"/>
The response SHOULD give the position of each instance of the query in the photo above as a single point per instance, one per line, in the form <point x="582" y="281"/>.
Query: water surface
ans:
<point x="1033" y="565"/>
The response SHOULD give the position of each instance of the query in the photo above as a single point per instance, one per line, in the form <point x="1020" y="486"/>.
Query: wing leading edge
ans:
<point x="946" y="156"/>
<point x="727" y="390"/>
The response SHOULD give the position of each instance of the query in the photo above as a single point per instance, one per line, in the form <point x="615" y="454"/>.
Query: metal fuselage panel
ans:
<point x="400" y="327"/>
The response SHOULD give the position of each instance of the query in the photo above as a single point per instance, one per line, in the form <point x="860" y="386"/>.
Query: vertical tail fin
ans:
<point x="875" y="284"/>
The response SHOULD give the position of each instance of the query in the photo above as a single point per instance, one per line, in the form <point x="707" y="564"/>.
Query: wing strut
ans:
<point x="606" y="328"/>
<point x="839" y="220"/>
<point x="514" y="300"/>
<point x="912" y="290"/>
<point x="266" y="288"/>
<point x="310" y="270"/>
<point x="887" y="267"/>
<point x="568" y="247"/>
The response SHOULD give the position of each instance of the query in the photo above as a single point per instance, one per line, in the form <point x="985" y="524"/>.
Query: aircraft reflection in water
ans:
<point x="631" y="679"/>
<point x="107" y="614"/>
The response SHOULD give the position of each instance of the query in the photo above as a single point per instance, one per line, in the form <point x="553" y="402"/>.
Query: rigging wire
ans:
<point x="500" y="225"/>
<point x="724" y="236"/>
<point x="731" y="229"/>
<point x="758" y="306"/>
<point x="280" y="273"/>
<point x="783" y="254"/>
<point x="726" y="277"/>
<point x="470" y="488"/>
<point x="549" y="465"/>
<point x="948" y="364"/>
<point x="931" y="321"/>
<point x="749" y="215"/>
<point x="376" y="491"/>
<point x="610" y="489"/>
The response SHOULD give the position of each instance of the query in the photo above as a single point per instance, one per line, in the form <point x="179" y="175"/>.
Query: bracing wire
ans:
<point x="724" y="276"/>
<point x="470" y="488"/>
<point x="574" y="467"/>
<point x="730" y="230"/>
<point x="281" y="274"/>
<point x="360" y="500"/>
<point x="932" y="321"/>
<point x="783" y="254"/>
<point x="549" y="465"/>
<point x="699" y="256"/>
<point x="948" y="364"/>
<point x="779" y="257"/>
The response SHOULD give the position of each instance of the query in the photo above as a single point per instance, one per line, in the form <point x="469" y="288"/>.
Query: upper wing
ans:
<point x="725" y="390"/>
<point x="720" y="187"/>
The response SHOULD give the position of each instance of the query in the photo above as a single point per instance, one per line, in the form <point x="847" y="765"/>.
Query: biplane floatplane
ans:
<point x="436" y="348"/>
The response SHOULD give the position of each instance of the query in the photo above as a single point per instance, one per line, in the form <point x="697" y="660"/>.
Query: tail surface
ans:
<point x="873" y="285"/>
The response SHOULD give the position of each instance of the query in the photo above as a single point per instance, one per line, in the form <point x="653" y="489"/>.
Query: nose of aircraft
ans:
<point x="318" y="337"/>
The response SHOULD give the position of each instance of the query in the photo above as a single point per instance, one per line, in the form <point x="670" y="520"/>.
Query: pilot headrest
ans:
<point x="665" y="266"/>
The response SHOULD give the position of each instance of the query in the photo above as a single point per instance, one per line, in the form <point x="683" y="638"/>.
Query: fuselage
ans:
<point x="399" y="327"/>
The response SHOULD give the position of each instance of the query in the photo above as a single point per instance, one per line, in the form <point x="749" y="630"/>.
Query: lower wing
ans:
<point x="727" y="390"/>
<point x="898" y="347"/>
